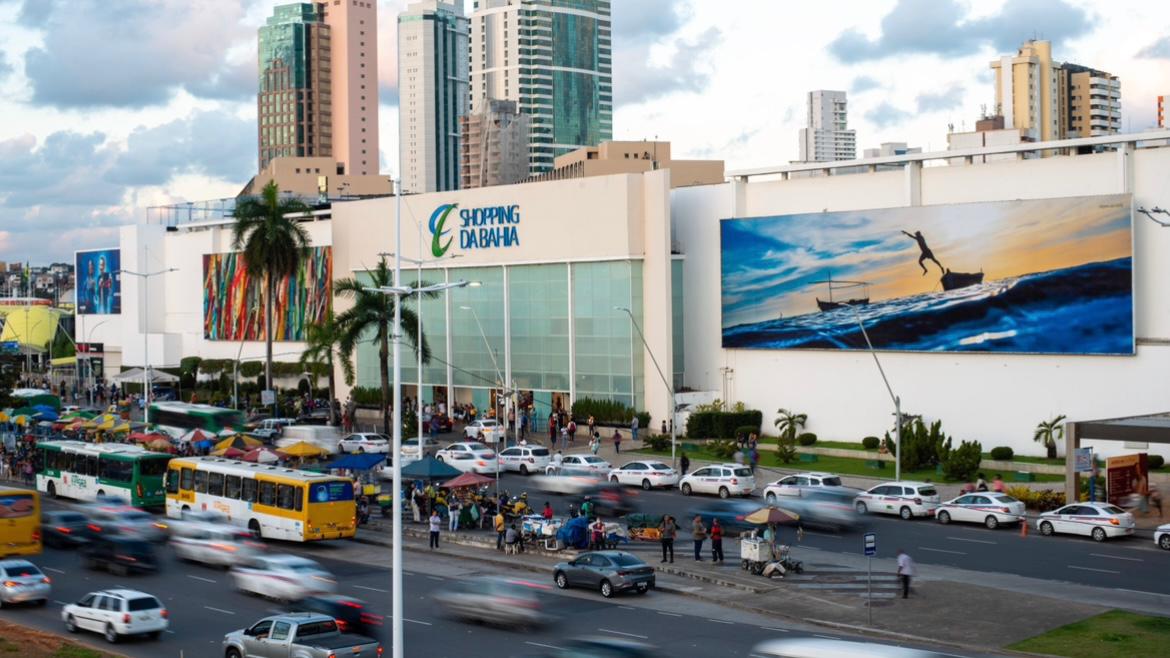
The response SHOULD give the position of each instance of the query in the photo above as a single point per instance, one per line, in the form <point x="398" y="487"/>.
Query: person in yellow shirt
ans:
<point x="500" y="529"/>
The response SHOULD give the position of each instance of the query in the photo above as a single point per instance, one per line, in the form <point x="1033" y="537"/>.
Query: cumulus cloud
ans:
<point x="213" y="144"/>
<point x="885" y="115"/>
<point x="636" y="80"/>
<point x="941" y="27"/>
<point x="946" y="99"/>
<point x="864" y="83"/>
<point x="1159" y="49"/>
<point x="648" y="20"/>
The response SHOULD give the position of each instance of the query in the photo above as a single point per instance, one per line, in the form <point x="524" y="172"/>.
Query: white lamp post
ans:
<point x="897" y="400"/>
<point x="505" y="392"/>
<point x="145" y="276"/>
<point x="669" y="388"/>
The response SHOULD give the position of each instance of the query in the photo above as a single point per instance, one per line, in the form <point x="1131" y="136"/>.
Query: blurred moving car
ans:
<point x="215" y="544"/>
<point x="581" y="464"/>
<point x="609" y="572"/>
<point x="602" y="647"/>
<point x="365" y="442"/>
<point x="470" y="456"/>
<point x="906" y="499"/>
<point x="824" y="507"/>
<point x="269" y="429"/>
<point x="410" y="449"/>
<point x="491" y="431"/>
<point x="611" y="500"/>
<point x="792" y="484"/>
<point x="125" y="520"/>
<point x="565" y="482"/>
<point x="120" y="554"/>
<point x="724" y="479"/>
<point x="647" y="474"/>
<point x="298" y="635"/>
<point x="729" y="512"/>
<point x="325" y="437"/>
<point x="986" y="507"/>
<point x="1162" y="536"/>
<point x="282" y="577"/>
<point x="1097" y="520"/>
<point x="507" y="602"/>
<point x="116" y="613"/>
<point x="64" y="529"/>
<point x="351" y="614"/>
<point x="816" y="647"/>
<point x="22" y="582"/>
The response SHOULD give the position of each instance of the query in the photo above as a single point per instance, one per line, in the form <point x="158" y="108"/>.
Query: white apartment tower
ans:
<point x="554" y="59"/>
<point x="432" y="94"/>
<point x="826" y="137"/>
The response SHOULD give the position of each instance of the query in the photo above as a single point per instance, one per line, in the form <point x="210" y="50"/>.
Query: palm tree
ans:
<point x="1048" y="432"/>
<point x="321" y="342"/>
<point x="273" y="247"/>
<point x="373" y="313"/>
<point x="789" y="423"/>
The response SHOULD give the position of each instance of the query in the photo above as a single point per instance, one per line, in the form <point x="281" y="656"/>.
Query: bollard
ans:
<point x="1024" y="527"/>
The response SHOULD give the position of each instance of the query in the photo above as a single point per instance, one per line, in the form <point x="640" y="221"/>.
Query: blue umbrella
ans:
<point x="46" y="412"/>
<point x="205" y="443"/>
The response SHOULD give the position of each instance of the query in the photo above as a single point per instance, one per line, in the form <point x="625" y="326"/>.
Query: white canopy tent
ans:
<point x="134" y="376"/>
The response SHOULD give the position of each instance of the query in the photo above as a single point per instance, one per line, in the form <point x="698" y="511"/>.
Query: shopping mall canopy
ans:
<point x="134" y="376"/>
<point x="29" y="326"/>
<point x="1150" y="428"/>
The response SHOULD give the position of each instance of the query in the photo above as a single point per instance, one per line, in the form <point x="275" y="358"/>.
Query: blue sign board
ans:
<point x="10" y="346"/>
<point x="870" y="544"/>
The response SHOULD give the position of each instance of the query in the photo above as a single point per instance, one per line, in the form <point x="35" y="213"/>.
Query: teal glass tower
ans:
<point x="294" y="96"/>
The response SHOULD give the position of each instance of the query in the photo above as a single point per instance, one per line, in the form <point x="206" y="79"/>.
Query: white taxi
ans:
<point x="906" y="499"/>
<point x="989" y="508"/>
<point x="1097" y="520"/>
<point x="470" y="457"/>
<point x="1162" y="536"/>
<point x="364" y="442"/>
<point x="580" y="465"/>
<point x="283" y="577"/>
<point x="488" y="428"/>
<point x="525" y="459"/>
<point x="116" y="613"/>
<point x="215" y="544"/>
<point x="645" y="474"/>
<point x="724" y="479"/>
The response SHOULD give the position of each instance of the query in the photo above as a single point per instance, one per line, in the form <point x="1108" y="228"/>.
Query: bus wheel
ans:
<point x="101" y="493"/>
<point x="254" y="528"/>
<point x="183" y="512"/>
<point x="52" y="489"/>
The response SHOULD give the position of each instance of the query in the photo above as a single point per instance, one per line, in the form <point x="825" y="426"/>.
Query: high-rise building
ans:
<point x="554" y="58"/>
<point x="1093" y="101"/>
<point x="494" y="145"/>
<point x="826" y="136"/>
<point x="432" y="94"/>
<point x="294" y="97"/>
<point x="354" y="27"/>
<point x="633" y="158"/>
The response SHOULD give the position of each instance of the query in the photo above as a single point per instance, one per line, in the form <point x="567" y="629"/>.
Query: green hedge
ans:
<point x="1155" y="461"/>
<point x="806" y="439"/>
<point x="871" y="443"/>
<point x="607" y="412"/>
<point x="1002" y="453"/>
<point x="722" y="424"/>
<point x="366" y="396"/>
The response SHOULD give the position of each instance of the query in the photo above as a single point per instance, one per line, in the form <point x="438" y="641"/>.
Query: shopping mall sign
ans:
<point x="479" y="228"/>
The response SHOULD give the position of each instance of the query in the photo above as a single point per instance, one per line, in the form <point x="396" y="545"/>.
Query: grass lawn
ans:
<point x="1112" y="634"/>
<point x="30" y="643"/>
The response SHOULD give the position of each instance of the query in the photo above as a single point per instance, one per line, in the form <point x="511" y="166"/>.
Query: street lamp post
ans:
<point x="897" y="400"/>
<point x="89" y="360"/>
<point x="506" y="391"/>
<point x="145" y="276"/>
<point x="669" y="388"/>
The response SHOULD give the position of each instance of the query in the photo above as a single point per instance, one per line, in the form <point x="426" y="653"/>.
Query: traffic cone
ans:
<point x="1024" y="527"/>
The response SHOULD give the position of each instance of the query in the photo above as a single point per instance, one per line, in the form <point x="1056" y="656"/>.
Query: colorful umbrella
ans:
<point x="264" y="456"/>
<point x="229" y="452"/>
<point x="303" y="449"/>
<point x="227" y="431"/>
<point x="241" y="443"/>
<point x="195" y="436"/>
<point x="4" y="416"/>
<point x="467" y="480"/>
<point x="20" y="420"/>
<point x="124" y="427"/>
<point x="106" y="425"/>
<point x="769" y="515"/>
<point x="146" y="437"/>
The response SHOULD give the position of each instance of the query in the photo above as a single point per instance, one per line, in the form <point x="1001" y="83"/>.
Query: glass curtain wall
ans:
<point x="608" y="351"/>
<point x="472" y="362"/>
<point x="538" y="309"/>
<point x="434" y="330"/>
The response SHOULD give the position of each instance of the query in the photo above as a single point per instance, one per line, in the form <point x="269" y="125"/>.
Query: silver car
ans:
<point x="494" y="600"/>
<point x="608" y="571"/>
<point x="21" y="582"/>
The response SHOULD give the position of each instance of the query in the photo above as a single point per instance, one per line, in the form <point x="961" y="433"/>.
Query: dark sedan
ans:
<point x="64" y="529"/>
<point x="608" y="571"/>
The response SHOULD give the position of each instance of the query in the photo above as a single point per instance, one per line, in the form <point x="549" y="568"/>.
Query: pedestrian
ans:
<point x="634" y="428"/>
<point x="453" y="511"/>
<point x="1156" y="500"/>
<point x="436" y="523"/>
<point x="684" y="463"/>
<point x="512" y="538"/>
<point x="597" y="535"/>
<point x="981" y="483"/>
<point x="572" y="427"/>
<point x="716" y="541"/>
<point x="663" y="427"/>
<point x="595" y="443"/>
<point x="500" y="529"/>
<point x="699" y="534"/>
<point x="668" y="530"/>
<point x="592" y="425"/>
<point x="552" y="428"/>
<point x="997" y="484"/>
<point x="547" y="513"/>
<point x="416" y="504"/>
<point x="905" y="571"/>
<point x="617" y="442"/>
<point x="587" y="508"/>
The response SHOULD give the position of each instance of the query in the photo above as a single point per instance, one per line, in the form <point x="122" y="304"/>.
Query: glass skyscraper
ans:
<point x="294" y="96"/>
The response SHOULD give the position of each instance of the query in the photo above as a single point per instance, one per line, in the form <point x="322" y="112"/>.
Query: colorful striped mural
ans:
<point x="233" y="299"/>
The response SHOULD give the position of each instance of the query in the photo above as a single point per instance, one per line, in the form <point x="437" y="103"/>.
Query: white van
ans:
<point x="323" y="436"/>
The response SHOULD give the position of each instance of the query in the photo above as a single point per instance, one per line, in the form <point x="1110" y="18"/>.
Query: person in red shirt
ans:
<point x="548" y="512"/>
<point x="716" y="541"/>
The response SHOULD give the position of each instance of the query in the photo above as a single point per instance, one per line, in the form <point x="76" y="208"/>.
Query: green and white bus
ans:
<point x="180" y="417"/>
<point x="87" y="471"/>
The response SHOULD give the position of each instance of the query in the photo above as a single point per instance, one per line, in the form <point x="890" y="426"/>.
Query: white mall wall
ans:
<point x="995" y="398"/>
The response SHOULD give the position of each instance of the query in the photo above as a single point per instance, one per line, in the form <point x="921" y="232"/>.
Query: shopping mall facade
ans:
<point x="555" y="262"/>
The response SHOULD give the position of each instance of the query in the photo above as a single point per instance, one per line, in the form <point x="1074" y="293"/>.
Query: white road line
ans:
<point x="625" y="607"/>
<point x="543" y="646"/>
<point x="775" y="630"/>
<point x="415" y="621"/>
<point x="435" y="578"/>
<point x="170" y="631"/>
<point x="973" y="541"/>
<point x="640" y="637"/>
<point x="206" y="580"/>
<point x="58" y="602"/>
<point x="1117" y="557"/>
<point x="720" y="621"/>
<point x="1138" y="591"/>
<point x="372" y="589"/>
<point x="226" y="612"/>
<point x="1072" y="566"/>
<point x="940" y="550"/>
<point x="669" y="614"/>
<point x="53" y="570"/>
<point x="827" y="637"/>
<point x="822" y="534"/>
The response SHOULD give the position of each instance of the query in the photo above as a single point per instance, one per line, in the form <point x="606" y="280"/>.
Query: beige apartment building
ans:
<point x="1094" y="101"/>
<point x="494" y="146"/>
<point x="354" y="76"/>
<point x="633" y="158"/>
<point x="317" y="177"/>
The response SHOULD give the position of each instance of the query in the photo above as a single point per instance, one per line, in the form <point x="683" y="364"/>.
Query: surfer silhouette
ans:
<point x="926" y="252"/>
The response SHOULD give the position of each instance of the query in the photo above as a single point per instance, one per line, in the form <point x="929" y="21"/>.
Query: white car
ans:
<point x="283" y="577"/>
<point x="567" y="484"/>
<point x="362" y="442"/>
<point x="21" y="581"/>
<point x="724" y="479"/>
<point x="116" y="613"/>
<point x="792" y="485"/>
<point x="216" y="544"/>
<point x="1097" y="520"/>
<point x="471" y="457"/>
<point x="492" y="431"/>
<point x="645" y="474"/>
<point x="906" y="499"/>
<point x="525" y="459"/>
<point x="987" y="507"/>
<point x="410" y="451"/>
<point x="1162" y="536"/>
<point x="580" y="465"/>
<point x="123" y="519"/>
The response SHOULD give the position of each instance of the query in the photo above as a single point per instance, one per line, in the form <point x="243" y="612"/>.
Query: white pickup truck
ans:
<point x="297" y="635"/>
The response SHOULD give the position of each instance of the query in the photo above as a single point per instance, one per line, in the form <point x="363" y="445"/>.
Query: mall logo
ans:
<point x="479" y="228"/>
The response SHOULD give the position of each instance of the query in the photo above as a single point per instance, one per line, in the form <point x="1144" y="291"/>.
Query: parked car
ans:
<point x="1162" y="536"/>
<point x="351" y="614"/>
<point x="215" y="544"/>
<point x="300" y="634"/>
<point x="724" y="479"/>
<point x="473" y="448"/>
<point x="1097" y="520"/>
<point x="989" y="508"/>
<point x="729" y="512"/>
<point x="792" y="484"/>
<point x="525" y="459"/>
<point x="116" y="613"/>
<point x="120" y="554"/>
<point x="609" y="572"/>
<point x="410" y="449"/>
<point x="501" y="601"/>
<point x="365" y="442"/>
<point x="492" y="431"/>
<point x="22" y="582"/>
<point x="581" y="465"/>
<point x="64" y="529"/>
<point x="906" y="499"/>
<point x="269" y="429"/>
<point x="647" y="474"/>
<point x="282" y="577"/>
<point x="125" y="520"/>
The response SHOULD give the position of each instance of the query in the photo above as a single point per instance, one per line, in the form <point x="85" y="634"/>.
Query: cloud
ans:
<point x="648" y="20"/>
<point x="133" y="53"/>
<point x="214" y="144"/>
<point x="940" y="27"/>
<point x="636" y="80"/>
<point x="1159" y="49"/>
<point x="885" y="115"/>
<point x="864" y="83"/>
<point x="944" y="100"/>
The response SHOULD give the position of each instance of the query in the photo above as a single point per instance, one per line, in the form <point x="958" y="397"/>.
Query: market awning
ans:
<point x="134" y="376"/>
<point x="467" y="480"/>
<point x="429" y="468"/>
<point x="361" y="462"/>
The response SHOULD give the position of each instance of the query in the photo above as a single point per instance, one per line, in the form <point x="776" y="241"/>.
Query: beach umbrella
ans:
<point x="195" y="436"/>
<point x="227" y="431"/>
<point x="467" y="480"/>
<point x="205" y="444"/>
<point x="20" y="420"/>
<point x="303" y="449"/>
<point x="145" y="437"/>
<point x="4" y="416"/>
<point x="264" y="456"/>
<point x="429" y="468"/>
<point x="123" y="428"/>
<point x="229" y="452"/>
<point x="241" y="443"/>
<point x="771" y="515"/>
<point x="106" y="425"/>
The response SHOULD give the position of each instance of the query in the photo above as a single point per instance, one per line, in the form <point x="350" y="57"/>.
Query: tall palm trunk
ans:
<point x="332" y="394"/>
<point x="384" y="365"/>
<point x="268" y="304"/>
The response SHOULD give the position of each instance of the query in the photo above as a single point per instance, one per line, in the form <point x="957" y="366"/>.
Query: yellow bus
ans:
<point x="20" y="522"/>
<point x="272" y="502"/>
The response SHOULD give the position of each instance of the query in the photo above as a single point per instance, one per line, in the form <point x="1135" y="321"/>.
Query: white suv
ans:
<point x="906" y="499"/>
<point x="645" y="474"/>
<point x="115" y="613"/>
<point x="365" y="443"/>
<point x="525" y="459"/>
<point x="724" y="479"/>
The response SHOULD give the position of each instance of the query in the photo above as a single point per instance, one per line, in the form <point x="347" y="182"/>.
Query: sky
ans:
<point x="770" y="264"/>
<point x="113" y="107"/>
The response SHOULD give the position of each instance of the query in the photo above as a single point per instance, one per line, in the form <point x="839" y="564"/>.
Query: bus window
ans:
<point x="187" y="480"/>
<point x="201" y="482"/>
<point x="231" y="487"/>
<point x="91" y="465"/>
<point x="267" y="493"/>
<point x="249" y="490"/>
<point x="153" y="466"/>
<point x="17" y="505"/>
<point x="298" y="497"/>
<point x="215" y="484"/>
<point x="115" y="470"/>
<point x="173" y="481"/>
<point x="284" y="496"/>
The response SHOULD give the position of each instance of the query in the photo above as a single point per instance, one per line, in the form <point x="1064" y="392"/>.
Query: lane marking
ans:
<point x="372" y="589"/>
<point x="170" y="631"/>
<point x="625" y="607"/>
<point x="720" y="621"/>
<point x="226" y="612"/>
<point x="1138" y="591"/>
<point x="206" y="580"/>
<point x="1073" y="566"/>
<point x="827" y="637"/>
<point x="973" y="541"/>
<point x="435" y="578"/>
<point x="1117" y="557"/>
<point x="543" y="646"/>
<point x="940" y="550"/>
<point x="777" y="630"/>
<point x="822" y="534"/>
<point x="640" y="637"/>
<point x="415" y="621"/>
<point x="53" y="570"/>
<point x="59" y="602"/>
<point x="669" y="614"/>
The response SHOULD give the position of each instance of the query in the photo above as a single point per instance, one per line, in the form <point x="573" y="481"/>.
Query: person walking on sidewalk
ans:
<point x="699" y="534"/>
<point x="905" y="572"/>
<point x="595" y="443"/>
<point x="716" y="542"/>
<point x="617" y="442"/>
<point x="634" y="428"/>
<point x="597" y="535"/>
<point x="500" y="529"/>
<point x="684" y="463"/>
<point x="436" y="522"/>
<point x="669" y="530"/>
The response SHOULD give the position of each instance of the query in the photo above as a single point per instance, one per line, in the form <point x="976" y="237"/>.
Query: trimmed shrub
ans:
<point x="643" y="420"/>
<point x="606" y="412"/>
<point x="786" y="450"/>
<point x="921" y="447"/>
<point x="367" y="396"/>
<point x="1002" y="453"/>
<point x="1155" y="461"/>
<point x="658" y="442"/>
<point x="722" y="449"/>
<point x="871" y="443"/>
<point x="1044" y="500"/>
<point x="963" y="462"/>
<point x="806" y="439"/>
